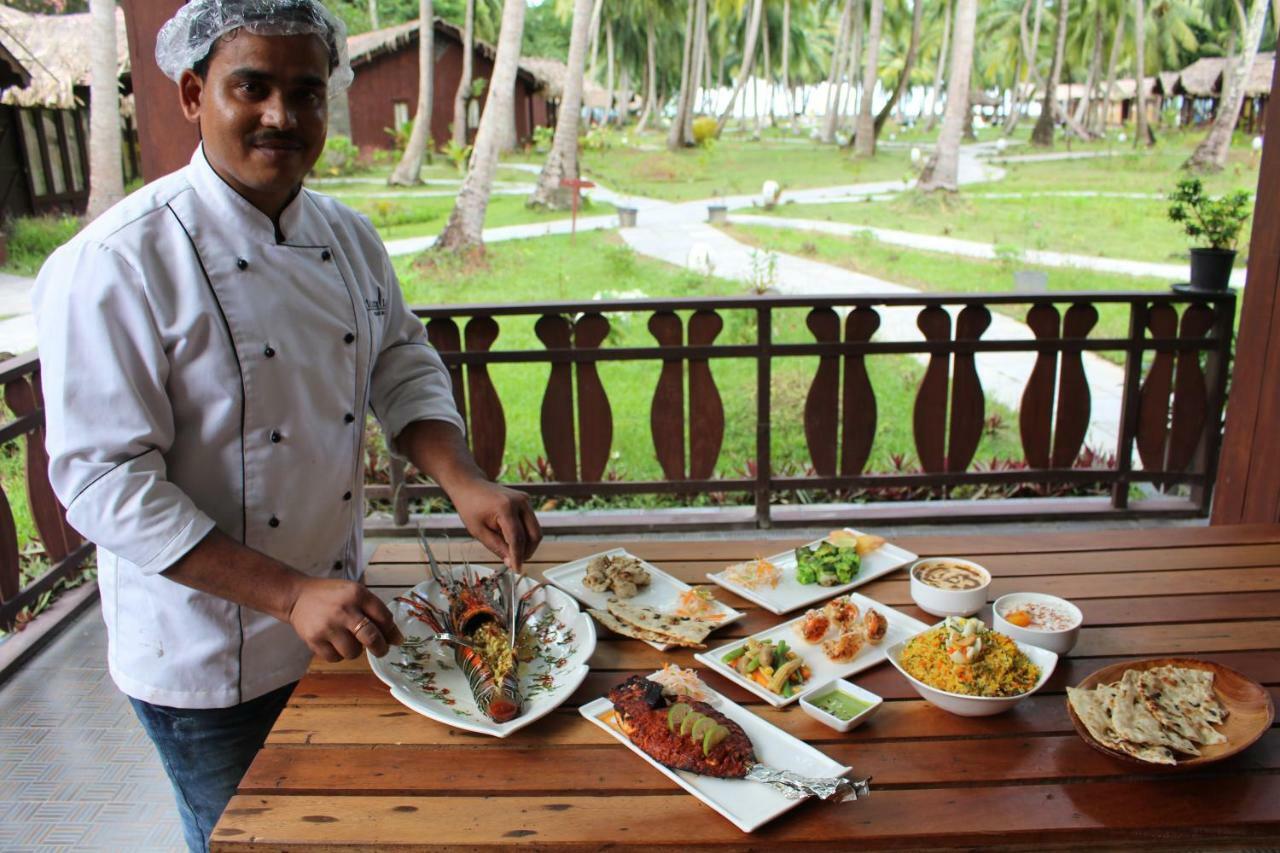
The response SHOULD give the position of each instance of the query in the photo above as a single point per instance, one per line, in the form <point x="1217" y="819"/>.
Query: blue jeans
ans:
<point x="205" y="753"/>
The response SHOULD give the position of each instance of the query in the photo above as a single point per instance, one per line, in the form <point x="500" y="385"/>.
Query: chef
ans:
<point x="209" y="349"/>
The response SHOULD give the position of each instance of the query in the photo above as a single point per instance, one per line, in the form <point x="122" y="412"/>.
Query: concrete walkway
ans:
<point x="18" y="330"/>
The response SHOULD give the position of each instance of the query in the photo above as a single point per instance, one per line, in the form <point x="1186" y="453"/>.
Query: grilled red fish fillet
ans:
<point x="642" y="713"/>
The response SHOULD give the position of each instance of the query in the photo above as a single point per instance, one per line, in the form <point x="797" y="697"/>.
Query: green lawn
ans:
<point x="414" y="217"/>
<point x="734" y="167"/>
<point x="557" y="268"/>
<point x="936" y="272"/>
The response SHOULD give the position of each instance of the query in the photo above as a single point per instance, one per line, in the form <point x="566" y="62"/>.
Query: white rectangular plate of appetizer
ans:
<point x="747" y="805"/>
<point x="790" y="593"/>
<point x="861" y="652"/>
<point x="663" y="592"/>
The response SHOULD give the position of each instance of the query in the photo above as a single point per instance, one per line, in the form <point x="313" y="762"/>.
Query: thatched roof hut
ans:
<point x="1258" y="83"/>
<point x="552" y="73"/>
<point x="54" y="49"/>
<point x="1200" y="78"/>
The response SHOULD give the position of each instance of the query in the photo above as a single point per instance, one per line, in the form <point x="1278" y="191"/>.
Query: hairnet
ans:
<point x="189" y="36"/>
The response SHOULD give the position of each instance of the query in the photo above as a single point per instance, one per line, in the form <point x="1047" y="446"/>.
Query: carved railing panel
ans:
<point x="859" y="404"/>
<point x="704" y="422"/>
<point x="666" y="416"/>
<point x="10" y="567"/>
<point x="822" y="405"/>
<point x="577" y="438"/>
<point x="50" y="518"/>
<point x="950" y="406"/>
<point x="595" y="416"/>
<point x="1054" y="415"/>
<point x="706" y="409"/>
<point x="1170" y="430"/>
<point x="473" y="392"/>
<point x="841" y="414"/>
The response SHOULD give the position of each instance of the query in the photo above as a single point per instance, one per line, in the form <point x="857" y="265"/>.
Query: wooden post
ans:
<point x="165" y="137"/>
<point x="1248" y="487"/>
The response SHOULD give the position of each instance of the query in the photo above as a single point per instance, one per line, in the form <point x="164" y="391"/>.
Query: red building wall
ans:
<point x="392" y="77"/>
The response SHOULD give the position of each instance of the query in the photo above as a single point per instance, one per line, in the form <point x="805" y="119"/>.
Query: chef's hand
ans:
<point x="339" y="619"/>
<point x="500" y="518"/>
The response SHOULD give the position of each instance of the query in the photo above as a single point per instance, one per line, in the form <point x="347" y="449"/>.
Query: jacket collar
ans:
<point x="298" y="221"/>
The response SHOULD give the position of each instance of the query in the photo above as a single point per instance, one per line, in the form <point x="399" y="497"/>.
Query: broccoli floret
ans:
<point x="848" y="566"/>
<point x="806" y="566"/>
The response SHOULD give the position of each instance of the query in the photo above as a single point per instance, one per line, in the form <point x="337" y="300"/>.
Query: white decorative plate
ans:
<point x="423" y="675"/>
<point x="790" y="594"/>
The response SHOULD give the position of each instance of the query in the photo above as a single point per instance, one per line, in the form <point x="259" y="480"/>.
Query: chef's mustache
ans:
<point x="270" y="137"/>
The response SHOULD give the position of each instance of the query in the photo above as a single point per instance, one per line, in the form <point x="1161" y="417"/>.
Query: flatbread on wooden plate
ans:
<point x="1246" y="703"/>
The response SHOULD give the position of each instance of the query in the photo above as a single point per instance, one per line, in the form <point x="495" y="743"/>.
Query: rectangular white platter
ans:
<point x="662" y="593"/>
<point x="790" y="594"/>
<point x="747" y="805"/>
<point x="901" y="627"/>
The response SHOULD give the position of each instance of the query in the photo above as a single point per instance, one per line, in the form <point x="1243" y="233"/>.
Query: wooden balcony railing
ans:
<point x="64" y="550"/>
<point x="1175" y="354"/>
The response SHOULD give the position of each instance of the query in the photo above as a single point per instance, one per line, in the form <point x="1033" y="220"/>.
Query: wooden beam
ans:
<point x="1248" y="487"/>
<point x="165" y="137"/>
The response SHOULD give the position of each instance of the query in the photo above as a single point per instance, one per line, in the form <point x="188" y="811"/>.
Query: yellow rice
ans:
<point x="1000" y="670"/>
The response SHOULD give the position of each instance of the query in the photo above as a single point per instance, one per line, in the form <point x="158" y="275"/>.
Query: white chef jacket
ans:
<point x="199" y="373"/>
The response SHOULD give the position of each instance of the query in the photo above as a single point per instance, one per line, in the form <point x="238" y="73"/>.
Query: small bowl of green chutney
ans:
<point x="840" y="704"/>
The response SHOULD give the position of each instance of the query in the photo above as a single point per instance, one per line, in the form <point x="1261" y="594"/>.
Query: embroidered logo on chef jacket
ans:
<point x="377" y="307"/>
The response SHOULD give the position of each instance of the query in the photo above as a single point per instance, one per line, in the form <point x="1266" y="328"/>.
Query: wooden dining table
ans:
<point x="348" y="767"/>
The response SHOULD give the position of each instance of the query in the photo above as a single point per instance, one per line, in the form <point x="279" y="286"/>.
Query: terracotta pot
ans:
<point x="1211" y="268"/>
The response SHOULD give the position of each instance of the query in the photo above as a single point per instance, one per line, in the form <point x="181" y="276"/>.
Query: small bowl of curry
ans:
<point x="949" y="586"/>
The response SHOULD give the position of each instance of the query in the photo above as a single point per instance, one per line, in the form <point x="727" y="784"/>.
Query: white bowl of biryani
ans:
<point x="1042" y="620"/>
<point x="965" y="668"/>
<point x="949" y="586"/>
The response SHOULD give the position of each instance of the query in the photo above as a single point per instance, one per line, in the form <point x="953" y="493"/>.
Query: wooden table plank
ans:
<point x="347" y="766"/>
<point x="985" y="816"/>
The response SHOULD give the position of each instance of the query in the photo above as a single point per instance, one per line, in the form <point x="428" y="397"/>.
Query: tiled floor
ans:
<point x="76" y="770"/>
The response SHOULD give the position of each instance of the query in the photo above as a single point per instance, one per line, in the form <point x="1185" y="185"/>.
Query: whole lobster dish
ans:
<point x="485" y="650"/>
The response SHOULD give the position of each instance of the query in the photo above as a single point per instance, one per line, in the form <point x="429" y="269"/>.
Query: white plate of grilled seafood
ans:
<point x="425" y="675"/>
<point x="662" y="592"/>
<point x="748" y="805"/>
<point x="823" y="669"/>
<point x="790" y="594"/>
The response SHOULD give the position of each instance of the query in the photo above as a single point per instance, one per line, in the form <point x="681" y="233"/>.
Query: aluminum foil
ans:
<point x="796" y="787"/>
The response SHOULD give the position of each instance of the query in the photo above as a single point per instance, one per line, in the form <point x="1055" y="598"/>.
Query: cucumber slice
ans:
<point x="690" y="720"/>
<point x="676" y="714"/>
<point x="714" y="736"/>
<point x="701" y="727"/>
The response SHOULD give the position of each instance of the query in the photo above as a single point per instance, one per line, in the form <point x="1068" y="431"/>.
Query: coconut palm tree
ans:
<point x="681" y="133"/>
<point x="748" y="60"/>
<point x="942" y="170"/>
<point x="865" y="137"/>
<point x="1043" y="132"/>
<point x="462" y="97"/>
<point x="1142" y="133"/>
<point x="373" y="14"/>
<point x="935" y="91"/>
<point x="106" y="178"/>
<point x="562" y="162"/>
<point x="1211" y="154"/>
<point x="835" y="76"/>
<point x="465" y="230"/>
<point x="409" y="170"/>
<point x="908" y="65"/>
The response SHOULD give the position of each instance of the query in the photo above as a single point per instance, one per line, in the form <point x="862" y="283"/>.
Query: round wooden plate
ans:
<point x="1249" y="706"/>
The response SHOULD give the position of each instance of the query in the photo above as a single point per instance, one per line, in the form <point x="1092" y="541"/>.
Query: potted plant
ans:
<point x="1213" y="221"/>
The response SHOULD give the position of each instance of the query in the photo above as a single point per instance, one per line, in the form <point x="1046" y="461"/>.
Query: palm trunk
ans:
<point x="836" y="74"/>
<point x="1043" y="133"/>
<point x="1142" y="132"/>
<point x="409" y="171"/>
<point x="373" y="15"/>
<point x="1211" y="154"/>
<point x="1015" y="98"/>
<point x="942" y="170"/>
<point x="106" y="170"/>
<point x="768" y="69"/>
<point x="462" y="97"/>
<point x="679" y="122"/>
<point x="651" y="78"/>
<point x="908" y="64"/>
<point x="1116" y="42"/>
<point x="748" y="60"/>
<point x="701" y="59"/>
<point x="609" y="67"/>
<point x="465" y="231"/>
<point x="786" y="61"/>
<point x="1032" y="47"/>
<point x="865" y="145"/>
<point x="562" y="161"/>
<point x="1095" y="68"/>
<point x="848" y="116"/>
<point x="596" y="11"/>
<point x="936" y="92"/>
<point x="624" y="96"/>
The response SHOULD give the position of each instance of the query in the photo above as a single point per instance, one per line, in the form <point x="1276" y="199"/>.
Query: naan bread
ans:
<point x="1179" y="707"/>
<point x="683" y="630"/>
<point x="1133" y="721"/>
<point x="1093" y="709"/>
<point x="626" y="629"/>
<point x="1194" y="687"/>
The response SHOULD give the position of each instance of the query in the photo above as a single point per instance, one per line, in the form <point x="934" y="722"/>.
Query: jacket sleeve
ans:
<point x="410" y="382"/>
<point x="108" y="419"/>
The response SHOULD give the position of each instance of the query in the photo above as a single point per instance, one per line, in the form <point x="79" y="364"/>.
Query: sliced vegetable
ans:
<point x="714" y="736"/>
<point x="784" y="672"/>
<point x="701" y="728"/>
<point x="690" y="720"/>
<point x="735" y="654"/>
<point x="676" y="714"/>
